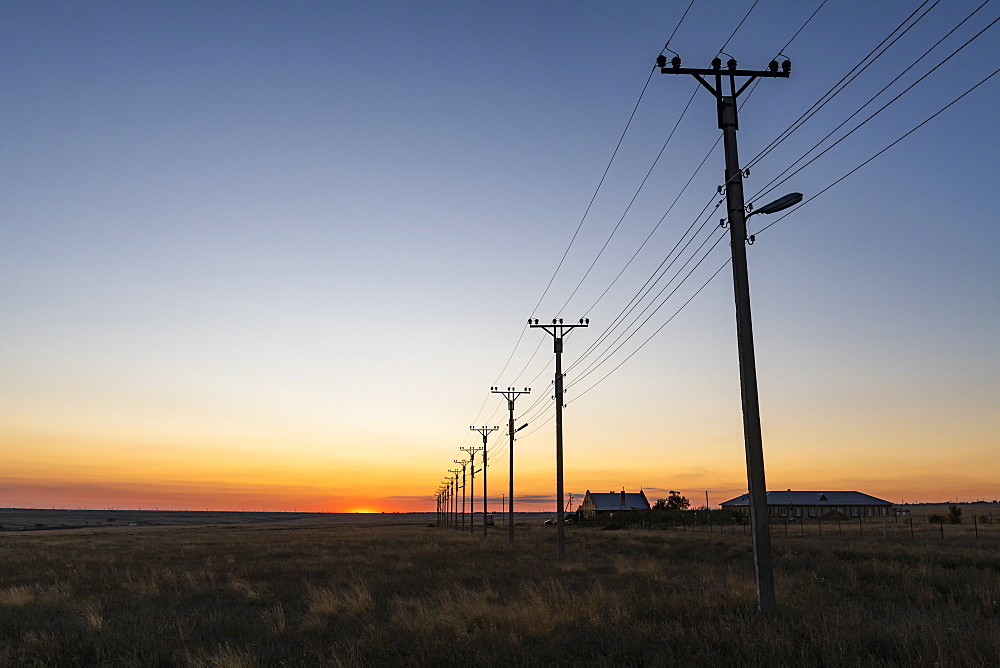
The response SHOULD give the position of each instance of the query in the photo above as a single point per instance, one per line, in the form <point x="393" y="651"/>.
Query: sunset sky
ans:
<point x="273" y="255"/>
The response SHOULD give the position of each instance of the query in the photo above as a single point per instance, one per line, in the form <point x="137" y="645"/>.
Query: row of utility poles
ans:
<point x="737" y="215"/>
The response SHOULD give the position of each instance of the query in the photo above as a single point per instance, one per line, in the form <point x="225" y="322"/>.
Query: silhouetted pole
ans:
<point x="728" y="123"/>
<point x="485" y="431"/>
<point x="557" y="330"/>
<point x="444" y="503"/>
<point x="472" y="487"/>
<point x="440" y="494"/>
<point x="511" y="395"/>
<point x="463" y="463"/>
<point x="454" y="503"/>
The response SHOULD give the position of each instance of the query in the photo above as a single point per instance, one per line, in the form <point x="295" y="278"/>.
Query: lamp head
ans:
<point x="780" y="204"/>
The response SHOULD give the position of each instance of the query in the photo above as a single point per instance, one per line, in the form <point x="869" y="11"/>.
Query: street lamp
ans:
<point x="780" y="204"/>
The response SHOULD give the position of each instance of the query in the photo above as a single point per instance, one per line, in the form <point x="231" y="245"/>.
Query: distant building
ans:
<point x="794" y="505"/>
<point x="595" y="503"/>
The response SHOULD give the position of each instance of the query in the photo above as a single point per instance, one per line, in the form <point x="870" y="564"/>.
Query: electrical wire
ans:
<point x="778" y="180"/>
<point x="596" y="191"/>
<point x="607" y="355"/>
<point x="657" y="331"/>
<point x="837" y="88"/>
<point x="738" y="26"/>
<point x="632" y="201"/>
<point x="886" y="148"/>
<point x="648" y="286"/>
<point x="587" y="210"/>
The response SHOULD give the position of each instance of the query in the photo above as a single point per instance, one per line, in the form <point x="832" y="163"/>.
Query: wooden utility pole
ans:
<point x="472" y="487"/>
<point x="463" y="463"/>
<point x="454" y="503"/>
<point x="728" y="123"/>
<point x="485" y="431"/>
<point x="557" y="330"/>
<point x="511" y="395"/>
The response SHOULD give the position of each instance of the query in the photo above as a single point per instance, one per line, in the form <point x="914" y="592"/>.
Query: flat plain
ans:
<point x="397" y="590"/>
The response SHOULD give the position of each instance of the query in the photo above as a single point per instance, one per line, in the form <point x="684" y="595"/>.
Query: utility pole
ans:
<point x="463" y="463"/>
<point x="485" y="431"/>
<point x="472" y="488"/>
<point x="439" y="497"/>
<point x="728" y="123"/>
<point x="444" y="502"/>
<point x="454" y="503"/>
<point x="557" y="331"/>
<point x="511" y="395"/>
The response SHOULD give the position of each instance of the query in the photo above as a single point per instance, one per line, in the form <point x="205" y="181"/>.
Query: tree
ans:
<point x="673" y="502"/>
<point x="954" y="514"/>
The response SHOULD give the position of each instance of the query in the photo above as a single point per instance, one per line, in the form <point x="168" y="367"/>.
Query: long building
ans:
<point x="793" y="505"/>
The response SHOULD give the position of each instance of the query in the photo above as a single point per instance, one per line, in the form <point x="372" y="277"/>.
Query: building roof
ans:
<point x="613" y="500"/>
<point x="790" y="498"/>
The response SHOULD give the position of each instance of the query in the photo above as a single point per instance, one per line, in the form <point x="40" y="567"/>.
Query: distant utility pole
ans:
<point x="454" y="503"/>
<point x="727" y="112"/>
<point x="463" y="463"/>
<point x="485" y="431"/>
<point x="438" y="508"/>
<point x="511" y="395"/>
<point x="557" y="330"/>
<point x="444" y="502"/>
<point x="472" y="487"/>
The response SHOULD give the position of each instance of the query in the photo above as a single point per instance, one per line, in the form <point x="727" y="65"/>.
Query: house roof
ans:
<point x="613" y="501"/>
<point x="790" y="498"/>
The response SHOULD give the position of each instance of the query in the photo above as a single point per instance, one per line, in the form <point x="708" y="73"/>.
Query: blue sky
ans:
<point x="284" y="242"/>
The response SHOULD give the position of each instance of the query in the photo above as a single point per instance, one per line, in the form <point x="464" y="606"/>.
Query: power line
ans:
<point x="656" y="331"/>
<point x="738" y="26"/>
<point x="775" y="182"/>
<point x="632" y="201"/>
<point x="607" y="355"/>
<point x="650" y="283"/>
<point x="596" y="191"/>
<point x="901" y="138"/>
<point x="834" y="90"/>
<point x="589" y="206"/>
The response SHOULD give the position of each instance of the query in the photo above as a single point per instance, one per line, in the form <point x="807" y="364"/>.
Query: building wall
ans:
<point x="813" y="512"/>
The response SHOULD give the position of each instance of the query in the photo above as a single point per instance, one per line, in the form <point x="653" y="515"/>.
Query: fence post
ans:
<point x="941" y="524"/>
<point x="911" y="526"/>
<point x="861" y="528"/>
<point x="819" y="521"/>
<point x="883" y="527"/>
<point x="975" y="525"/>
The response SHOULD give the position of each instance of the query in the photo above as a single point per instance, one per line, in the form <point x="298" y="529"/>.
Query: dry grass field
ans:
<point x="316" y="592"/>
